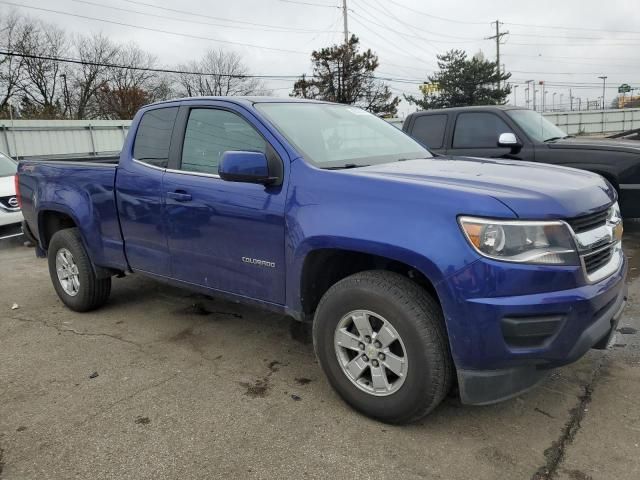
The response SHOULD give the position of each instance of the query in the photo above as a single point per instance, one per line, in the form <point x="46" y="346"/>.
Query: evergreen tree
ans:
<point x="462" y="82"/>
<point x="344" y="75"/>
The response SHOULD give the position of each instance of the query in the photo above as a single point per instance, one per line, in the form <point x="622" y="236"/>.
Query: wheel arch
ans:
<point x="323" y="267"/>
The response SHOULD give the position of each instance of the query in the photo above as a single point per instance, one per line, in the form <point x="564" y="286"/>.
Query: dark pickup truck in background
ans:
<point x="522" y="134"/>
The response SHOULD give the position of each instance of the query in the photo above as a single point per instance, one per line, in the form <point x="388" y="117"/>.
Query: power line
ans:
<point x="405" y="34"/>
<point x="154" y="15"/>
<point x="561" y="27"/>
<point x="200" y="15"/>
<point x="310" y="4"/>
<point x="157" y="30"/>
<point x="287" y="77"/>
<point x="435" y="16"/>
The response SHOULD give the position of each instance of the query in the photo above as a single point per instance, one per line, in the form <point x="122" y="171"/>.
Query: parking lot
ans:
<point x="164" y="384"/>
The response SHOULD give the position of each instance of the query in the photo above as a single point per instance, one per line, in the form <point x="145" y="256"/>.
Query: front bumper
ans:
<point x="10" y="223"/>
<point x="482" y="387"/>
<point x="503" y="342"/>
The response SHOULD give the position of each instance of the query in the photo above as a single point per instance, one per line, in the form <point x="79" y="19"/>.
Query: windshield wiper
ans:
<point x="346" y="165"/>
<point x="553" y="139"/>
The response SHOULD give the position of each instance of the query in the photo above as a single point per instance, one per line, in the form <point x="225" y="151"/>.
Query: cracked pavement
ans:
<point x="192" y="388"/>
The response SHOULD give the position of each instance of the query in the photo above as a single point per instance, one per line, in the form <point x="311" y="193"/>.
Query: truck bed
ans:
<point x="54" y="185"/>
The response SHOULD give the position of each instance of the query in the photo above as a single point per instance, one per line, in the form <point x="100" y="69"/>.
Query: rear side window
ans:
<point x="212" y="132"/>
<point x="153" y="136"/>
<point x="478" y="130"/>
<point x="429" y="130"/>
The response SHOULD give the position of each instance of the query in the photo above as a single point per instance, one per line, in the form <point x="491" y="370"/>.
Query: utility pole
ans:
<point x="515" y="96"/>
<point x="498" y="37"/>
<point x="604" y="85"/>
<point x="346" y="26"/>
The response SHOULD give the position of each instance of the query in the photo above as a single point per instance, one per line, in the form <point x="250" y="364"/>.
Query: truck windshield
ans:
<point x="7" y="166"/>
<point x="340" y="136"/>
<point x="536" y="126"/>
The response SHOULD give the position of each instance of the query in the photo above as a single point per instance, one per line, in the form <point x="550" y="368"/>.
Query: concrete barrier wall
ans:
<point x="597" y="121"/>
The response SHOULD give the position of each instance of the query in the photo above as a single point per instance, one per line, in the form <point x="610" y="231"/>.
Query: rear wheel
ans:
<point x="381" y="342"/>
<point x="72" y="274"/>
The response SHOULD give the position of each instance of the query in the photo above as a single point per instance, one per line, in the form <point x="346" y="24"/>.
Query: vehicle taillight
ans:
<point x="16" y="181"/>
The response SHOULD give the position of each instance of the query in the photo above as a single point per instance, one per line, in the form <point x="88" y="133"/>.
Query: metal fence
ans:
<point x="62" y="138"/>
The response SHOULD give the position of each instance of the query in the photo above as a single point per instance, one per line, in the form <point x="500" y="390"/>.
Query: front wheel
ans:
<point x="380" y="340"/>
<point x="72" y="274"/>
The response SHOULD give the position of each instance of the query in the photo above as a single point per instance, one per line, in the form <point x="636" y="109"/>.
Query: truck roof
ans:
<point x="244" y="100"/>
<point x="475" y="107"/>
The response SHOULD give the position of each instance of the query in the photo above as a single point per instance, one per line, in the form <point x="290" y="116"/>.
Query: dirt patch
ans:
<point x="542" y="412"/>
<point x="199" y="308"/>
<point x="182" y="335"/>
<point x="578" y="475"/>
<point x="261" y="386"/>
<point x="257" y="389"/>
<point x="302" y="380"/>
<point x="143" y="420"/>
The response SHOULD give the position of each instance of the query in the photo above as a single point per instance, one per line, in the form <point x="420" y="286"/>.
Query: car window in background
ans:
<point x="339" y="136"/>
<point x="212" y="132"/>
<point x="478" y="130"/>
<point x="429" y="129"/>
<point x="154" y="136"/>
<point x="535" y="125"/>
<point x="7" y="166"/>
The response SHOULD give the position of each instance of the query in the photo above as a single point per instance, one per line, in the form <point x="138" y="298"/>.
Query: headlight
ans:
<point x="547" y="243"/>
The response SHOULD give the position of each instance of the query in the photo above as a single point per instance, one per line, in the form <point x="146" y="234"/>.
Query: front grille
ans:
<point x="598" y="259"/>
<point x="588" y="222"/>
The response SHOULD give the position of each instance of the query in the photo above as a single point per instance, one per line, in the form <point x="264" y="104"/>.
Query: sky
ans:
<point x="567" y="44"/>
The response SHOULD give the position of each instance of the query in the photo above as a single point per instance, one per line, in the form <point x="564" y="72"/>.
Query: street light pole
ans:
<point x="529" y="92"/>
<point x="515" y="96"/>
<point x="604" y="86"/>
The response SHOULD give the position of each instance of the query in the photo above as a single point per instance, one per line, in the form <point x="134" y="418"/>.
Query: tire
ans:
<point x="91" y="292"/>
<point x="416" y="319"/>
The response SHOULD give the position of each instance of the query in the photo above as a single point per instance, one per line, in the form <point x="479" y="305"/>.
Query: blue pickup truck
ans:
<point x="419" y="273"/>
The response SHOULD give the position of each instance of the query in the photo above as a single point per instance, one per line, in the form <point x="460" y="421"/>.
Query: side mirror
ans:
<point x="510" y="140"/>
<point x="247" y="167"/>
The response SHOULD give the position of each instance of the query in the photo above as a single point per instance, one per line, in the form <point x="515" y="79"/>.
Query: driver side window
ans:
<point x="478" y="130"/>
<point x="212" y="132"/>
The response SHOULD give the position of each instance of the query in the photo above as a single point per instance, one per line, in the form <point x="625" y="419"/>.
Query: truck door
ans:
<point x="227" y="236"/>
<point x="476" y="134"/>
<point x="139" y="193"/>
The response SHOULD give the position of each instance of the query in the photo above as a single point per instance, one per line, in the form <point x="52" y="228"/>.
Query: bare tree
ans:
<point x="130" y="85"/>
<point x="12" y="31"/>
<point x="83" y="82"/>
<point x="40" y="84"/>
<point x="218" y="73"/>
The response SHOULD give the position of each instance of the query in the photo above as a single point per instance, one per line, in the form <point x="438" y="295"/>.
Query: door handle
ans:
<point x="179" y="196"/>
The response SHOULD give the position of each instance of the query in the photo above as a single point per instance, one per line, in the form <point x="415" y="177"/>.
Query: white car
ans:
<point x="10" y="214"/>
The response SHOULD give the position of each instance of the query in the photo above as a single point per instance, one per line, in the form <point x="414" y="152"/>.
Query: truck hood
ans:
<point x="530" y="190"/>
<point x="607" y="144"/>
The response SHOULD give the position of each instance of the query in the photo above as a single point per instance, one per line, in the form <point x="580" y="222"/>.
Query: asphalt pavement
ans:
<point x="161" y="383"/>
